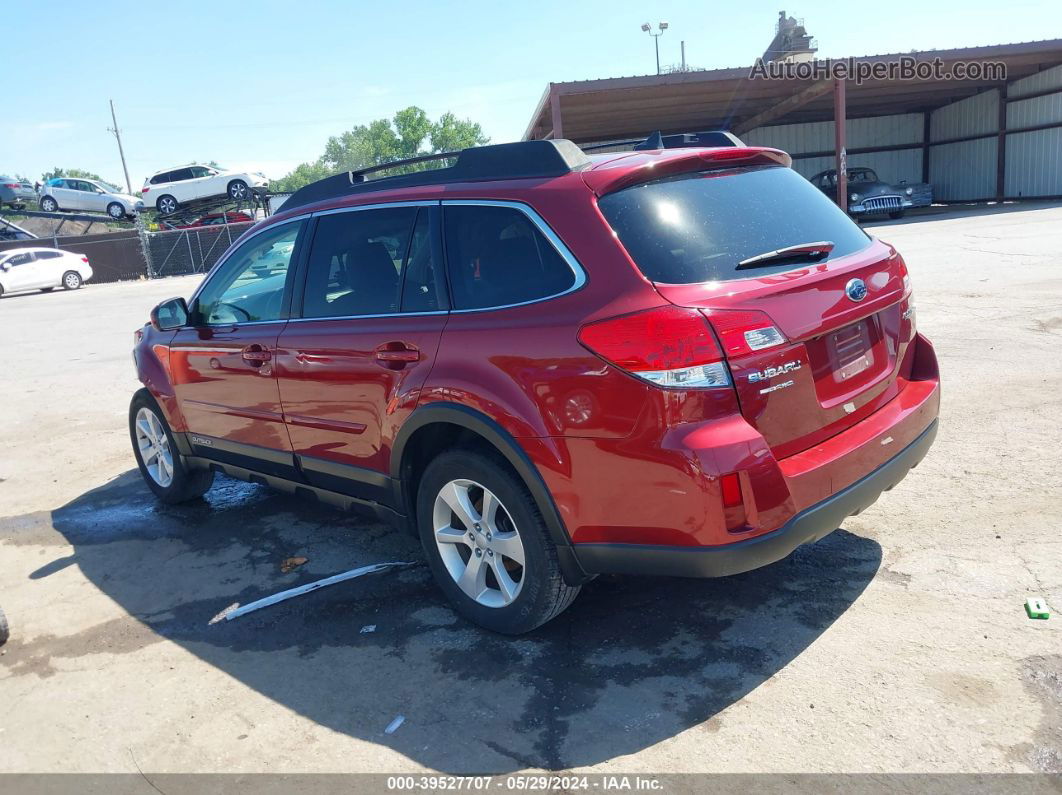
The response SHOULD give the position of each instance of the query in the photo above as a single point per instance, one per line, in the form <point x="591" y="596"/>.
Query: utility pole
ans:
<point x="121" y="153"/>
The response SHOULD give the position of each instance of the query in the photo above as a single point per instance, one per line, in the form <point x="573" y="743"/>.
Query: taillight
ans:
<point x="84" y="259"/>
<point x="145" y="189"/>
<point x="744" y="331"/>
<point x="668" y="346"/>
<point x="16" y="185"/>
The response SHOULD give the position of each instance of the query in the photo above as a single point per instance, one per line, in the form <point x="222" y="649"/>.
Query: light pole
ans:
<point x="656" y="39"/>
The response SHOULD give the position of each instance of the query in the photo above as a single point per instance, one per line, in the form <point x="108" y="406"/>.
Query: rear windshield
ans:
<point x="697" y="227"/>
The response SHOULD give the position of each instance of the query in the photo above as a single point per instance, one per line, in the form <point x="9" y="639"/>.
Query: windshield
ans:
<point x="109" y="187"/>
<point x="862" y="175"/>
<point x="697" y="227"/>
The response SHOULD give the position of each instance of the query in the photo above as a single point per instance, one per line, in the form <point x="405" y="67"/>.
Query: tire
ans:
<point x="48" y="205"/>
<point x="115" y="211"/>
<point x="155" y="440"/>
<point x="896" y="216"/>
<point x="238" y="190"/>
<point x="5" y="630"/>
<point x="166" y="204"/>
<point x="72" y="280"/>
<point x="540" y="590"/>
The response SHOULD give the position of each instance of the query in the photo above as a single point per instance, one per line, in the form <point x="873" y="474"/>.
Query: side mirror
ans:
<point x="169" y="315"/>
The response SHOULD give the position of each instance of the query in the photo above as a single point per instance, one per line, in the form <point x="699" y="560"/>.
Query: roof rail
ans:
<point x="677" y="141"/>
<point x="521" y="160"/>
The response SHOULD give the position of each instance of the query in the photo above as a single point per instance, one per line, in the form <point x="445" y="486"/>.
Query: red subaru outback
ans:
<point x="681" y="362"/>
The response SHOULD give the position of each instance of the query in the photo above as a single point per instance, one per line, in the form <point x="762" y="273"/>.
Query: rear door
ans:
<point x="350" y="366"/>
<point x="814" y="342"/>
<point x="181" y="185"/>
<point x="66" y="194"/>
<point x="223" y="363"/>
<point x="51" y="266"/>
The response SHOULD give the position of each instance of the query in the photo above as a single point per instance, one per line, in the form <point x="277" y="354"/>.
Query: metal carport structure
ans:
<point x="973" y="139"/>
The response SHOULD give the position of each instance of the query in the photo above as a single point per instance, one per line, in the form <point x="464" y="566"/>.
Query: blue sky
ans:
<point x="262" y="84"/>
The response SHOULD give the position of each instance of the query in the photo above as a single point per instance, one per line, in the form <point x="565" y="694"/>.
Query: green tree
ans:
<point x="70" y="172"/>
<point x="409" y="134"/>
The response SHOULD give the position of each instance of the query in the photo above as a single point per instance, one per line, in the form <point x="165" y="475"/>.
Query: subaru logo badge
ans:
<point x="856" y="290"/>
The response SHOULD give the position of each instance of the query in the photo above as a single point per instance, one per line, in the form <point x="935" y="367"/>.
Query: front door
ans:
<point x="351" y="363"/>
<point x="23" y="272"/>
<point x="223" y="363"/>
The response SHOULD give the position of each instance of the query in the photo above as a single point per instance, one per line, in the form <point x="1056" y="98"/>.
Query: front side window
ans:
<point x="48" y="254"/>
<point x="249" y="287"/>
<point x="497" y="257"/>
<point x="18" y="259"/>
<point x="357" y="261"/>
<point x="698" y="227"/>
<point x="200" y="171"/>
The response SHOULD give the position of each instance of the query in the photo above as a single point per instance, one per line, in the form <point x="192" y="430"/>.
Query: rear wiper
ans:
<point x="800" y="251"/>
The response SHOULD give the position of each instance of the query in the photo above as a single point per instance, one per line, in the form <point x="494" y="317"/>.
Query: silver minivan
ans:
<point x="69" y="193"/>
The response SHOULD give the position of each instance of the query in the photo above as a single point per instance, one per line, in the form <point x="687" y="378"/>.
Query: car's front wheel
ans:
<point x="487" y="544"/>
<point x="115" y="210"/>
<point x="238" y="190"/>
<point x="166" y="204"/>
<point x="49" y="205"/>
<point x="161" y="465"/>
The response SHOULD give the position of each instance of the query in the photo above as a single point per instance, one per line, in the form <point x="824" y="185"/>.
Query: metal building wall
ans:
<point x="965" y="169"/>
<point x="798" y="139"/>
<point x="1034" y="159"/>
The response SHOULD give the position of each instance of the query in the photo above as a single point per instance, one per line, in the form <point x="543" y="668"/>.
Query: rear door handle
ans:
<point x="397" y="352"/>
<point x="256" y="355"/>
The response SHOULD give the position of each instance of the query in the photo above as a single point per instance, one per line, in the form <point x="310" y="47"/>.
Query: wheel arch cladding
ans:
<point x="468" y="421"/>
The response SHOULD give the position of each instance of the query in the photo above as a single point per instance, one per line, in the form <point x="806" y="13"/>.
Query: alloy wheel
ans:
<point x="71" y="281"/>
<point x="479" y="543"/>
<point x="154" y="446"/>
<point x="237" y="190"/>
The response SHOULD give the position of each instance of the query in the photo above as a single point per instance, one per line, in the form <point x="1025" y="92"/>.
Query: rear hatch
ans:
<point x="813" y="338"/>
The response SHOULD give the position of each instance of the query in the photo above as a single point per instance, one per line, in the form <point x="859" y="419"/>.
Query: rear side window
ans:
<point x="357" y="261"/>
<point x="497" y="257"/>
<point x="697" y="227"/>
<point x="158" y="179"/>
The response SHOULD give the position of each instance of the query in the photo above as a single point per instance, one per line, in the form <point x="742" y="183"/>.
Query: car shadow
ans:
<point x="633" y="662"/>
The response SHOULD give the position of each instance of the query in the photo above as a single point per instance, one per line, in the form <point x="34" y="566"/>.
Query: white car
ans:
<point x="75" y="193"/>
<point x="42" y="269"/>
<point x="168" y="190"/>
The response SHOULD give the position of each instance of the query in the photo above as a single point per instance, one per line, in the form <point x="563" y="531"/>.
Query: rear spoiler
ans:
<point x="636" y="167"/>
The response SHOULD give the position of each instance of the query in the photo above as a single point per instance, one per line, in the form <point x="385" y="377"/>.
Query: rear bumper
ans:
<point x="809" y="525"/>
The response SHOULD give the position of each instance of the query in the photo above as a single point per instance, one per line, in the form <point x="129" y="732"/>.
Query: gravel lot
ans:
<point x="898" y="643"/>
